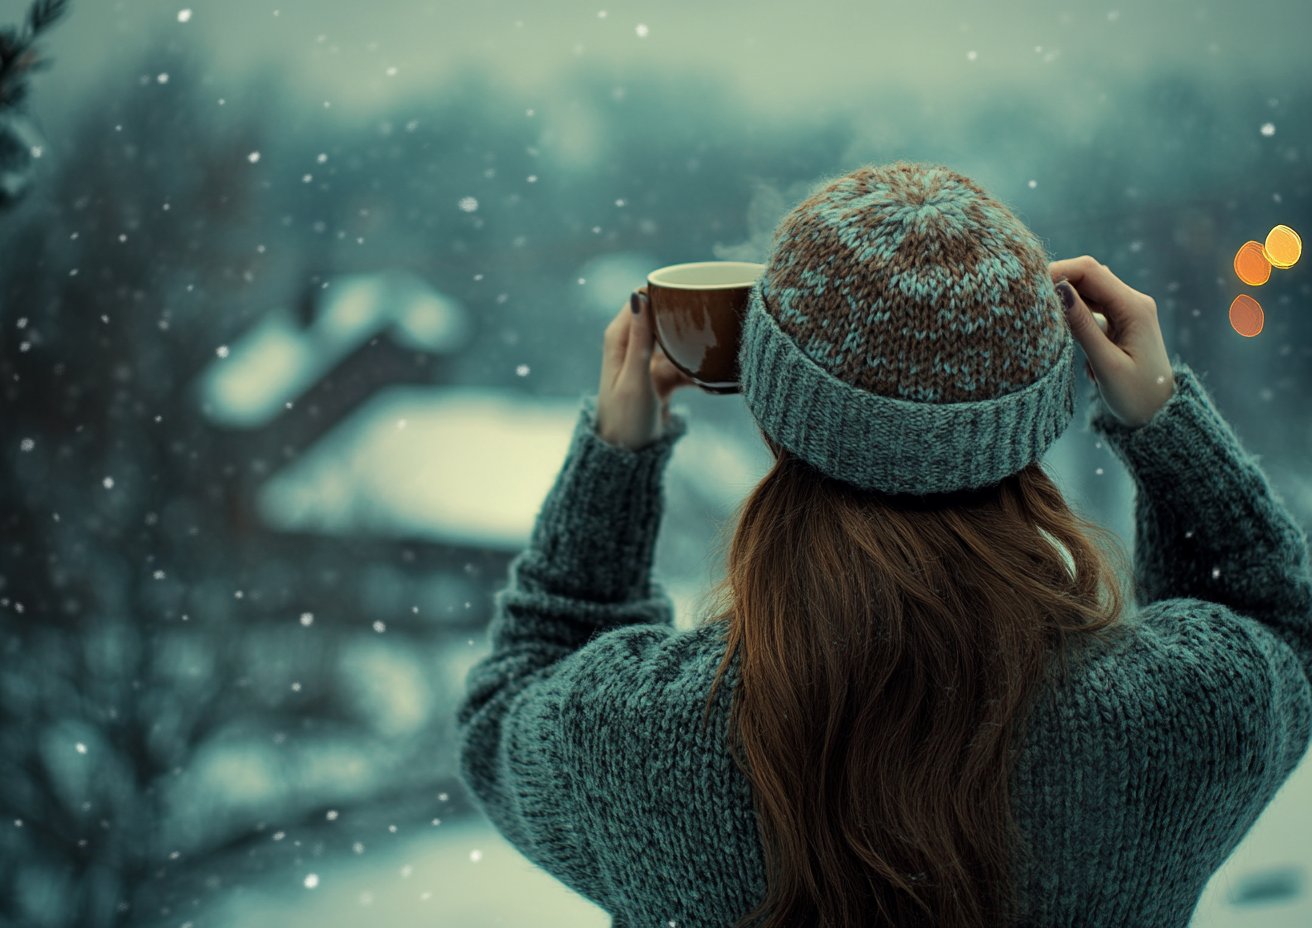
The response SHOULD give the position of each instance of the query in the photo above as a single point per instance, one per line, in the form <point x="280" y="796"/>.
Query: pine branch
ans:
<point x="18" y="55"/>
<point x="44" y="14"/>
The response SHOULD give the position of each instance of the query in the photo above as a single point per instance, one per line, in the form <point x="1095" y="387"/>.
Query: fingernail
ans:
<point x="1067" y="294"/>
<point x="633" y="303"/>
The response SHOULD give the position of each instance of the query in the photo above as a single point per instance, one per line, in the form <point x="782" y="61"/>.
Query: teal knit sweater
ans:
<point x="580" y="733"/>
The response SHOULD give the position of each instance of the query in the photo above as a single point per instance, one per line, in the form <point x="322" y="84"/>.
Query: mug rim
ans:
<point x="760" y="269"/>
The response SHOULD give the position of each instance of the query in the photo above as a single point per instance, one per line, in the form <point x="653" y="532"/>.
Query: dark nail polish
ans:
<point x="1067" y="294"/>
<point x="633" y="303"/>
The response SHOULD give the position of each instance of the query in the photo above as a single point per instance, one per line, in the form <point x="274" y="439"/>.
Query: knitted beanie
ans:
<point x="906" y="337"/>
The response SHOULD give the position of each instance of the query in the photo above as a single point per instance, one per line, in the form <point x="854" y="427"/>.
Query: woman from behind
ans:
<point x="943" y="706"/>
<point x="906" y="585"/>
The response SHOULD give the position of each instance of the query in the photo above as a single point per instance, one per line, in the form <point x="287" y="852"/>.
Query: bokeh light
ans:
<point x="1251" y="264"/>
<point x="1246" y="315"/>
<point x="1283" y="247"/>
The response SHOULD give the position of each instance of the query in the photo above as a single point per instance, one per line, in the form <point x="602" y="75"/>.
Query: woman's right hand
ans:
<point x="1128" y="361"/>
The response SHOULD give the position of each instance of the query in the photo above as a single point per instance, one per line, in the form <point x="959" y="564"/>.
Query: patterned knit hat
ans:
<point x="906" y="337"/>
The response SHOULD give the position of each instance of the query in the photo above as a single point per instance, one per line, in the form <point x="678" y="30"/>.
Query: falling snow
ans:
<point x="184" y="16"/>
<point x="468" y="204"/>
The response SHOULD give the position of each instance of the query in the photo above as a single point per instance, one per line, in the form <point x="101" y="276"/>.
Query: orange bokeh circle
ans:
<point x="1246" y="315"/>
<point x="1283" y="247"/>
<point x="1251" y="264"/>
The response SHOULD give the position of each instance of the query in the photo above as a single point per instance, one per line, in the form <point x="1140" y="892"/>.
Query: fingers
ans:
<point x="615" y="346"/>
<point x="1122" y="304"/>
<point x="641" y="340"/>
<point x="1098" y="348"/>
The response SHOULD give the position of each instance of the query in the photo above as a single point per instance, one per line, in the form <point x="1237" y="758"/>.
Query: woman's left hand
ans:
<point x="633" y="404"/>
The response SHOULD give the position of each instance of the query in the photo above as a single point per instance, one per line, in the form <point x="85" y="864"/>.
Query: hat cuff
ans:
<point x="893" y="445"/>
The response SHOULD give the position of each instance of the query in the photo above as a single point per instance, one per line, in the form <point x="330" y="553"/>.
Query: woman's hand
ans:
<point x="633" y="404"/>
<point x="1128" y="361"/>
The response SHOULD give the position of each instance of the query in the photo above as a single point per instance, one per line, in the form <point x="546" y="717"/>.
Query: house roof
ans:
<point x="278" y="360"/>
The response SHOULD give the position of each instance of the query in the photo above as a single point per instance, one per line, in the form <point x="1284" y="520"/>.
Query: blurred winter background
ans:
<point x="297" y="301"/>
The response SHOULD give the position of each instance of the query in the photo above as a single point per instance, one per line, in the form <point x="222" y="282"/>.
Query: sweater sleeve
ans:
<point x="586" y="571"/>
<point x="1208" y="525"/>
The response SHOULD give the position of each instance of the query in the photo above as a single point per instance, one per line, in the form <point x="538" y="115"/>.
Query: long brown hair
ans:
<point x="890" y="645"/>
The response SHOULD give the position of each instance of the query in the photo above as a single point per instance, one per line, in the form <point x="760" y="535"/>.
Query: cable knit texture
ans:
<point x="580" y="733"/>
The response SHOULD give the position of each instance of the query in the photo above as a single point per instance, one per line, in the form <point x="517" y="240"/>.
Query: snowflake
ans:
<point x="522" y="370"/>
<point x="253" y="157"/>
<point x="184" y="16"/>
<point x="311" y="881"/>
<point x="642" y="30"/>
<point x="307" y="618"/>
<point x="81" y="748"/>
<point x="380" y="627"/>
<point x="468" y="204"/>
<point x="1268" y="128"/>
<point x="221" y="351"/>
<point x="27" y="444"/>
<point x="159" y="575"/>
<point x="163" y="78"/>
<point x="332" y="815"/>
<point x="108" y="483"/>
<point x="322" y="158"/>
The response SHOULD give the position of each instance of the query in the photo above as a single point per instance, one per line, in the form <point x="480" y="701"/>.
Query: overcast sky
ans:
<point x="785" y="57"/>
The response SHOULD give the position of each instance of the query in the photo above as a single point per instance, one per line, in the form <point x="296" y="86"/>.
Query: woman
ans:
<point x="940" y="709"/>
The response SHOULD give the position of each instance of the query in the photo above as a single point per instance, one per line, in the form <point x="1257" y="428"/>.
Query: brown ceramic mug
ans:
<point x="699" y="311"/>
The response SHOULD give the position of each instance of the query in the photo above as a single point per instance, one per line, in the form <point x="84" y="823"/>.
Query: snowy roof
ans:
<point x="468" y="466"/>
<point x="459" y="465"/>
<point x="277" y="360"/>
